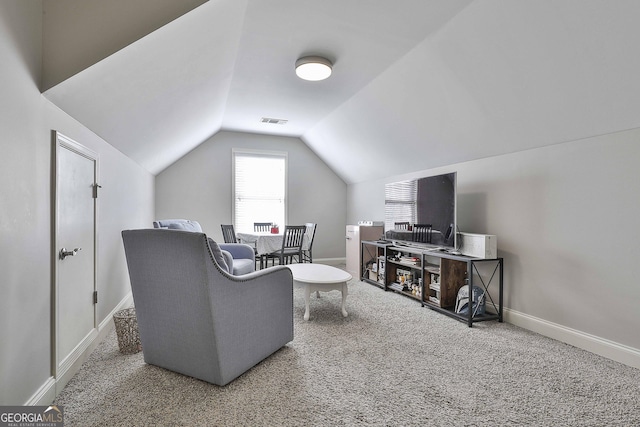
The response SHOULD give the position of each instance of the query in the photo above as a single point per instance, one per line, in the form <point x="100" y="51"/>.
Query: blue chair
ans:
<point x="239" y="258"/>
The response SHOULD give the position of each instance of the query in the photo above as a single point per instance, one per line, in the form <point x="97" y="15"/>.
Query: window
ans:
<point x="400" y="203"/>
<point x="259" y="188"/>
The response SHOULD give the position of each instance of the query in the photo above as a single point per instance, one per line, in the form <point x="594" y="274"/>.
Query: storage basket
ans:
<point x="127" y="331"/>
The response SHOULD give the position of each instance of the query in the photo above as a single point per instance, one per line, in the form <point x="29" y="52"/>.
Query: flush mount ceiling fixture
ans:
<point x="313" y="68"/>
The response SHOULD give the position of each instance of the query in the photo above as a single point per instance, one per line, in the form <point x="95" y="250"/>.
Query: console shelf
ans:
<point x="434" y="277"/>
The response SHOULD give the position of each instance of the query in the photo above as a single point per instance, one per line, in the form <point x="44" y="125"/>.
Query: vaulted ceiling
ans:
<point x="416" y="84"/>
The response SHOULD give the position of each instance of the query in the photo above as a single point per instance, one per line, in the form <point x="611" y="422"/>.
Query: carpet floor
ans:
<point x="391" y="362"/>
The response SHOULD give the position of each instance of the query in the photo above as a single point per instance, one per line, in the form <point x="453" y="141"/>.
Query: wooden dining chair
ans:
<point x="307" y="255"/>
<point x="422" y="233"/>
<point x="262" y="226"/>
<point x="291" y="245"/>
<point x="228" y="233"/>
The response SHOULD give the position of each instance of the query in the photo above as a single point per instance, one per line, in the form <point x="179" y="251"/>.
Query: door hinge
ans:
<point x="95" y="297"/>
<point x="95" y="190"/>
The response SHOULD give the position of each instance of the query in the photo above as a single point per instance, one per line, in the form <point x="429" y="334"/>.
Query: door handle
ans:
<point x="65" y="253"/>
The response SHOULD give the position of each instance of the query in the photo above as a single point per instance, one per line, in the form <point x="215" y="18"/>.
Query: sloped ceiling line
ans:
<point x="454" y="81"/>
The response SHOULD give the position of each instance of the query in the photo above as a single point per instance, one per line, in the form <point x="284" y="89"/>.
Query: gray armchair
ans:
<point x="196" y="319"/>
<point x="239" y="258"/>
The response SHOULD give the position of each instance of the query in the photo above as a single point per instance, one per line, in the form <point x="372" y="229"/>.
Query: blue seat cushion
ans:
<point x="243" y="266"/>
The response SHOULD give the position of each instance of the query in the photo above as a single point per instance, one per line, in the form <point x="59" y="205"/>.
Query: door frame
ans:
<point x="59" y="369"/>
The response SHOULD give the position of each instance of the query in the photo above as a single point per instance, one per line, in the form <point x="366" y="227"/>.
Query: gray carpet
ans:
<point x="390" y="363"/>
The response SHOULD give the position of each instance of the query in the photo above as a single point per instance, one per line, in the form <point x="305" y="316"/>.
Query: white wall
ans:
<point x="499" y="77"/>
<point x="198" y="187"/>
<point x="126" y="201"/>
<point x="567" y="218"/>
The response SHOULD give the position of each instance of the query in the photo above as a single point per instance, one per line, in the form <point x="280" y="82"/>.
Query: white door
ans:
<point x="75" y="217"/>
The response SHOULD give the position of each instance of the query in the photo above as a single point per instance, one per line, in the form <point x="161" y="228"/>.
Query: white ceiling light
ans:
<point x="313" y="68"/>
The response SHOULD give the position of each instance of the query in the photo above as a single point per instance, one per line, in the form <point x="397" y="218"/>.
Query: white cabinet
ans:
<point x="355" y="235"/>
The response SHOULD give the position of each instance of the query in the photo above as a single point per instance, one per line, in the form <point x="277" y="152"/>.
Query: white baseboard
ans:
<point x="54" y="385"/>
<point x="45" y="395"/>
<point x="126" y="302"/>
<point x="72" y="363"/>
<point x="330" y="261"/>
<point x="611" y="350"/>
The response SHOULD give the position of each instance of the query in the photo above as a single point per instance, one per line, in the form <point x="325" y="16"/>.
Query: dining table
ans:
<point x="266" y="242"/>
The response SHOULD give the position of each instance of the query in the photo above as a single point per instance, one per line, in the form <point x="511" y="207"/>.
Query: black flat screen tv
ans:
<point x="422" y="212"/>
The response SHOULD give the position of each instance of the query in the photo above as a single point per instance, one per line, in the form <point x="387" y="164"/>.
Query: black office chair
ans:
<point x="310" y="232"/>
<point x="262" y="226"/>
<point x="291" y="245"/>
<point x="228" y="233"/>
<point x="422" y="233"/>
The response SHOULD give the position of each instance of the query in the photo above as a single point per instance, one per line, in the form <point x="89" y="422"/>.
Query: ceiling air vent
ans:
<point x="273" y="121"/>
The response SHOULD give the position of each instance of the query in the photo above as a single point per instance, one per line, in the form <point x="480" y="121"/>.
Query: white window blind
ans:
<point x="259" y="189"/>
<point x="400" y="203"/>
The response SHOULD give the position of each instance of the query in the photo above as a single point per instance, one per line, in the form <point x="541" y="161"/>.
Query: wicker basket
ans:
<point x="127" y="331"/>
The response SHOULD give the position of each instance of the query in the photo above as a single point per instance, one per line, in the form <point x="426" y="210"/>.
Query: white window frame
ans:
<point x="259" y="153"/>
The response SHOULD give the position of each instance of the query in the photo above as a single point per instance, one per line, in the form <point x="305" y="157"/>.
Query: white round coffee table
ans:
<point x="320" y="278"/>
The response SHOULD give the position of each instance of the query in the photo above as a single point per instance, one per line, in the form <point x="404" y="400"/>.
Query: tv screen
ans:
<point x="422" y="211"/>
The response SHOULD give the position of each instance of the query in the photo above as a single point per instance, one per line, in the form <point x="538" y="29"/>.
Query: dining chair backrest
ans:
<point x="422" y="233"/>
<point x="228" y="233"/>
<point x="293" y="237"/>
<point x="291" y="245"/>
<point x="310" y="233"/>
<point x="401" y="225"/>
<point x="262" y="226"/>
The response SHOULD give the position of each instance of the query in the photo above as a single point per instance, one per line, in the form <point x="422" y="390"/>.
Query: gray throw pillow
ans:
<point x="186" y="226"/>
<point x="217" y="255"/>
<point x="228" y="258"/>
